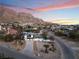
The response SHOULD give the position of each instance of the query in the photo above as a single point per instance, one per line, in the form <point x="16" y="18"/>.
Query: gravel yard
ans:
<point x="39" y="50"/>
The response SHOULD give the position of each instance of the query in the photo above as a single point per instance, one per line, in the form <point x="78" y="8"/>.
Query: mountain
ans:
<point x="9" y="15"/>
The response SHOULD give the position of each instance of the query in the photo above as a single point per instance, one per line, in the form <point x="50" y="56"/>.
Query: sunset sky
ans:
<point x="57" y="11"/>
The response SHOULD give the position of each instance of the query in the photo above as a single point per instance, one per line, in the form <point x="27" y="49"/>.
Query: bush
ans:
<point x="8" y="38"/>
<point x="44" y="35"/>
<point x="1" y="37"/>
<point x="59" y="33"/>
<point x="74" y="36"/>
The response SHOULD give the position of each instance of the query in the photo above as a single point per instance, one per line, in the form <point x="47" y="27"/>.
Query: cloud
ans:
<point x="18" y="8"/>
<point x="66" y="21"/>
<point x="70" y="4"/>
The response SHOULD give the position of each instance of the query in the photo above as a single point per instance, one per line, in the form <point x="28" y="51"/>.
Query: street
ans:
<point x="66" y="51"/>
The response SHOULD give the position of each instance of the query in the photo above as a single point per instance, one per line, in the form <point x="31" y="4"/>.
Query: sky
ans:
<point x="56" y="11"/>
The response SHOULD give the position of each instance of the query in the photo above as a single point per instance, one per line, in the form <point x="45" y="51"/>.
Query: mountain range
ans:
<point x="9" y="15"/>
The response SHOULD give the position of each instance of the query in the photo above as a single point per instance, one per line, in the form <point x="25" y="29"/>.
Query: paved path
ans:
<point x="28" y="50"/>
<point x="67" y="52"/>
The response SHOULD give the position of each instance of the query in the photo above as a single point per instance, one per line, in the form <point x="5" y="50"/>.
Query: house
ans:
<point x="0" y="27"/>
<point x="11" y="31"/>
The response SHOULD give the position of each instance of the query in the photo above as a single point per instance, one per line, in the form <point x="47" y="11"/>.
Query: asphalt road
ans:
<point x="16" y="55"/>
<point x="67" y="52"/>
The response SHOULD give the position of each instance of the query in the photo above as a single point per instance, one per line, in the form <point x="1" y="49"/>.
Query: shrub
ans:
<point x="74" y="36"/>
<point x="59" y="33"/>
<point x="46" y="48"/>
<point x="8" y="38"/>
<point x="44" y="35"/>
<point x="1" y="37"/>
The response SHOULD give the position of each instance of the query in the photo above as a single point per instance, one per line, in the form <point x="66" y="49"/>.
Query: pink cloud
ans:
<point x="70" y="4"/>
<point x="20" y="10"/>
<point x="25" y="10"/>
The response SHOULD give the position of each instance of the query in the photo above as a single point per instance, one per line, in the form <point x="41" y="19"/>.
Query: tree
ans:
<point x="46" y="48"/>
<point x="74" y="36"/>
<point x="52" y="48"/>
<point x="44" y="35"/>
<point x="8" y="38"/>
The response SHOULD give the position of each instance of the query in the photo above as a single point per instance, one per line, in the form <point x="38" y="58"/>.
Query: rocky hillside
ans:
<point x="9" y="15"/>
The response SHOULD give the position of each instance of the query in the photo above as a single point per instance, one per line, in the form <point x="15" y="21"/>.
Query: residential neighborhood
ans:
<point x="39" y="29"/>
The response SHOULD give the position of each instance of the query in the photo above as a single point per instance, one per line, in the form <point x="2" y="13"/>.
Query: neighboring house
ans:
<point x="0" y="27"/>
<point x="11" y="31"/>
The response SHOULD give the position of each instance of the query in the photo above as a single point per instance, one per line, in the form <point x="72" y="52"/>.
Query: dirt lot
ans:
<point x="39" y="50"/>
